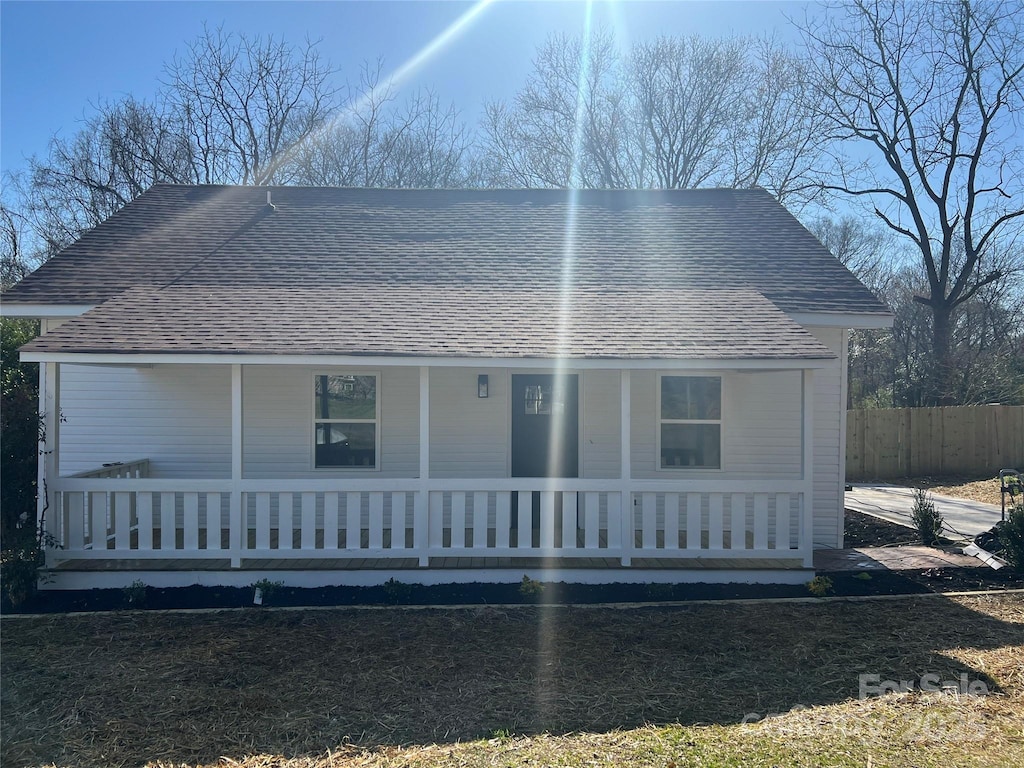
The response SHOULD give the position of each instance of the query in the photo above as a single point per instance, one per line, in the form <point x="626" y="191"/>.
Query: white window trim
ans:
<point x="658" y="421"/>
<point x="316" y="420"/>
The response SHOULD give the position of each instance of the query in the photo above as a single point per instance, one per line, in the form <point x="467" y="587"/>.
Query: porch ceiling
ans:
<point x="727" y="324"/>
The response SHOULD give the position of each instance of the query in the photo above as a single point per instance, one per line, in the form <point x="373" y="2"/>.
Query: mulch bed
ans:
<point x="863" y="530"/>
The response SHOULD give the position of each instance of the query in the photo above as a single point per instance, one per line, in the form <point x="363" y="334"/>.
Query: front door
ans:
<point x="545" y="425"/>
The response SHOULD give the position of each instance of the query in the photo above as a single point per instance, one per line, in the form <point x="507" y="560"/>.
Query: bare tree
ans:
<point x="245" y="102"/>
<point x="375" y="142"/>
<point x="923" y="102"/>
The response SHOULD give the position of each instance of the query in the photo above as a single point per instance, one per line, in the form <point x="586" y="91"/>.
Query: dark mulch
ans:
<point x="868" y="531"/>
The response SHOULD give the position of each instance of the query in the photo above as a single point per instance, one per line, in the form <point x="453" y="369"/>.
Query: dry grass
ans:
<point x="488" y="687"/>
<point x="985" y="490"/>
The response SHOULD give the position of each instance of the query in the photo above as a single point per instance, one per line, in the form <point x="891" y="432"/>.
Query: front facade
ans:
<point x="347" y="386"/>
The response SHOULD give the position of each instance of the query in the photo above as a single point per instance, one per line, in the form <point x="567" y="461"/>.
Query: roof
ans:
<point x="446" y="269"/>
<point x="439" y="321"/>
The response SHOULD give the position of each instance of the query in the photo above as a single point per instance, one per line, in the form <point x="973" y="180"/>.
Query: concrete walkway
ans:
<point x="963" y="519"/>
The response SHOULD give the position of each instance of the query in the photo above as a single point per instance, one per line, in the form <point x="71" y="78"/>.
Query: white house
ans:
<point x="341" y="386"/>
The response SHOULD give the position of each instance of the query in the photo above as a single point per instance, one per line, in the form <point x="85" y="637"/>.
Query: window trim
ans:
<point x="658" y="420"/>
<point x="317" y="420"/>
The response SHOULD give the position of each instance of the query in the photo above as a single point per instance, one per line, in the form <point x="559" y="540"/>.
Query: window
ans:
<point x="345" y="421"/>
<point x="691" y="422"/>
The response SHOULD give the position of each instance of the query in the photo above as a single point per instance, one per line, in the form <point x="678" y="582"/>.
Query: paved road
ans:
<point x="963" y="518"/>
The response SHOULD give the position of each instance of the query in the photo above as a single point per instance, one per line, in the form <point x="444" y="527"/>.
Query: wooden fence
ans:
<point x="910" y="442"/>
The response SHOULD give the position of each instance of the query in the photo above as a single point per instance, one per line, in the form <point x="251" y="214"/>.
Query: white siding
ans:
<point x="760" y="426"/>
<point x="599" y="424"/>
<point x="178" y="416"/>
<point x="829" y="411"/>
<point x="277" y="407"/>
<point x="468" y="434"/>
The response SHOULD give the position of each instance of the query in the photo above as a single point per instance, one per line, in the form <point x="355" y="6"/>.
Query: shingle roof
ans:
<point x="439" y="321"/>
<point x="517" y="240"/>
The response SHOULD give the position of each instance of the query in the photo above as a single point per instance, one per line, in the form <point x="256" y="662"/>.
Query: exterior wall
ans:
<point x="468" y="434"/>
<point x="178" y="416"/>
<point x="760" y="427"/>
<point x="829" y="449"/>
<point x="277" y="417"/>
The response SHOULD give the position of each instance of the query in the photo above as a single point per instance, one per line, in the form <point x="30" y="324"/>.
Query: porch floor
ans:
<point x="412" y="563"/>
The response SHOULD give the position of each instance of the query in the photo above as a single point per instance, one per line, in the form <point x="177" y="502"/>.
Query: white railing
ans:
<point x="119" y="469"/>
<point x="304" y="519"/>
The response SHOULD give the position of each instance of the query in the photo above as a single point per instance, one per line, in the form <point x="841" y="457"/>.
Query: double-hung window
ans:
<point x="345" y="421"/>
<point x="690" y="422"/>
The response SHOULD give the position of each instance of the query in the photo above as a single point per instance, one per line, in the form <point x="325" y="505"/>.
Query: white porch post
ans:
<point x="807" y="469"/>
<point x="626" y="469"/>
<point x="47" y="508"/>
<point x="235" y="511"/>
<point x="421" y="531"/>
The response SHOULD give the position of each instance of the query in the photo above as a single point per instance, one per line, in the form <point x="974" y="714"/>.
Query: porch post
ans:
<point x="47" y="507"/>
<point x="807" y="468"/>
<point x="421" y="531"/>
<point x="235" y="509"/>
<point x="626" y="469"/>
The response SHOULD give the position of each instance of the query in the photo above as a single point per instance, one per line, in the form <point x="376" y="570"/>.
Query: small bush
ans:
<point x="397" y="592"/>
<point x="926" y="518"/>
<point x="1011" y="536"/>
<point x="264" y="589"/>
<point x="134" y="594"/>
<point x="820" y="586"/>
<point x="529" y="588"/>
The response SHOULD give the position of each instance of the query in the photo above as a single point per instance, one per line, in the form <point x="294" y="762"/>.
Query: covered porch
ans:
<point x="620" y="515"/>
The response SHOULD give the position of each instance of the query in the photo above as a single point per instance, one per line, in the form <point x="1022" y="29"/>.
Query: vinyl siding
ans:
<point x="468" y="434"/>
<point x="760" y="426"/>
<point x="177" y="416"/>
<point x="600" y="400"/>
<point x="277" y="407"/>
<point x="829" y="455"/>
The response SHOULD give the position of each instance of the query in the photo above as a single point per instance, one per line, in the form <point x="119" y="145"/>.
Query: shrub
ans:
<point x="529" y="588"/>
<point x="264" y="590"/>
<point x="1011" y="536"/>
<point x="134" y="594"/>
<point x="397" y="592"/>
<point x="820" y="586"/>
<point x="926" y="518"/>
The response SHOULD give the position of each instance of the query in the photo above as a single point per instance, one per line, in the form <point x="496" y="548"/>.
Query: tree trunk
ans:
<point x="942" y="359"/>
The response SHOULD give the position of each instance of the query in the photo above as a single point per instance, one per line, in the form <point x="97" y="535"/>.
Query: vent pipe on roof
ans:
<point x="270" y="205"/>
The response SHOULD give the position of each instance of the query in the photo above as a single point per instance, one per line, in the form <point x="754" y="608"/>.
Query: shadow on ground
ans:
<point x="127" y="688"/>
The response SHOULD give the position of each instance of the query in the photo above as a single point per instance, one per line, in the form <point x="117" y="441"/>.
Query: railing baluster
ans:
<point x="649" y="520"/>
<point x="144" y="512"/>
<point x="715" y="521"/>
<point x="502" y="518"/>
<point x="738" y="522"/>
<point x="307" y="538"/>
<point x="671" y="521"/>
<point x="398" y="519"/>
<point x="353" y="520"/>
<point x="761" y="521"/>
<point x="782" y="535"/>
<point x="694" y="524"/>
<point x="480" y="520"/>
<point x="458" y="519"/>
<point x="569" y="519"/>
<point x="331" y="520"/>
<point x="592" y="520"/>
<point x="191" y="522"/>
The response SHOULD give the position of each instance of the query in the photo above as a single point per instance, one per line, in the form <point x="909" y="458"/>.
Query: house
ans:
<point x="342" y="386"/>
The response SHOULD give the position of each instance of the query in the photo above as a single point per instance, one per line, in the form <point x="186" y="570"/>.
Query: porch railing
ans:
<point x="139" y="517"/>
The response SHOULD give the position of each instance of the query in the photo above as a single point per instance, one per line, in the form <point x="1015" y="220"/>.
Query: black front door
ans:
<point x="545" y="425"/>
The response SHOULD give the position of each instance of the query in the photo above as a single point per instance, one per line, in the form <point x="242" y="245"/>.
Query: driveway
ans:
<point x="963" y="519"/>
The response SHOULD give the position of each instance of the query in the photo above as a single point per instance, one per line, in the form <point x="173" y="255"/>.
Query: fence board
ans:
<point x="977" y="440"/>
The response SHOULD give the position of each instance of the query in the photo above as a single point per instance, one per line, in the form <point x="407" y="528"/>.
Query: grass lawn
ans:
<point x="500" y="687"/>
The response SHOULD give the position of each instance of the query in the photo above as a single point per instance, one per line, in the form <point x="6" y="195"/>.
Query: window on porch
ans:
<point x="690" y="427"/>
<point x="345" y="420"/>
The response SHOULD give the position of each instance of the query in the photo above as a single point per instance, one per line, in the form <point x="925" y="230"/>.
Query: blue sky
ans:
<point x="57" y="57"/>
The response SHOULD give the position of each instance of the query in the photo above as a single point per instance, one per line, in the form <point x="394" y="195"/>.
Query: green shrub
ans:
<point x="397" y="592"/>
<point x="264" y="589"/>
<point x="926" y="518"/>
<point x="530" y="589"/>
<point x="1011" y="536"/>
<point x="134" y="594"/>
<point x="820" y="586"/>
